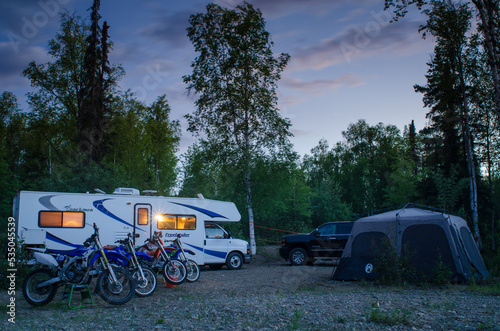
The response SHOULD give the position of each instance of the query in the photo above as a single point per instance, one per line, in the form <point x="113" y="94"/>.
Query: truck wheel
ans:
<point x="234" y="261"/>
<point x="298" y="256"/>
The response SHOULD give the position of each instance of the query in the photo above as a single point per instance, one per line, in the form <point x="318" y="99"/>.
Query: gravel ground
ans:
<point x="269" y="294"/>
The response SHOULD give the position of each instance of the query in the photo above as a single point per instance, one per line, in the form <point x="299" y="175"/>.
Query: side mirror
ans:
<point x="228" y="235"/>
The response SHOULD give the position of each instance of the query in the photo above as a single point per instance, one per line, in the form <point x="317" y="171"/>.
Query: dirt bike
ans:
<point x="77" y="267"/>
<point x="173" y="270"/>
<point x="126" y="256"/>
<point x="192" y="268"/>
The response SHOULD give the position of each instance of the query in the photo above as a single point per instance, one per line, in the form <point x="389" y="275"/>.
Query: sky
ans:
<point x="348" y="62"/>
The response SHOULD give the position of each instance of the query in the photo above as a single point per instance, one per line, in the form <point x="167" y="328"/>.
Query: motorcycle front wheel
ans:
<point x="38" y="296"/>
<point x="145" y="286"/>
<point x="174" y="271"/>
<point x="117" y="293"/>
<point x="193" y="271"/>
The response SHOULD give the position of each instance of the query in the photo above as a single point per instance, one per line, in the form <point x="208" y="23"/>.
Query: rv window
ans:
<point x="142" y="216"/>
<point x="166" y="222"/>
<point x="176" y="222"/>
<point x="60" y="219"/>
<point x="186" y="223"/>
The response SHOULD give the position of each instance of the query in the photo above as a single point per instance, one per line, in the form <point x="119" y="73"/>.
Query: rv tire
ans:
<point x="234" y="261"/>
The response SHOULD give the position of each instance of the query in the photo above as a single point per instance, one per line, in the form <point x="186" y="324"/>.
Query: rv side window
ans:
<point x="176" y="222"/>
<point x="61" y="219"/>
<point x="142" y="216"/>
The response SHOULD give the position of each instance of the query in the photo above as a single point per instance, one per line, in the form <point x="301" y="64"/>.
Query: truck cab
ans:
<point x="326" y="242"/>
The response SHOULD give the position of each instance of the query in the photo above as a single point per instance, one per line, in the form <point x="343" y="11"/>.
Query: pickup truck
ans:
<point x="327" y="242"/>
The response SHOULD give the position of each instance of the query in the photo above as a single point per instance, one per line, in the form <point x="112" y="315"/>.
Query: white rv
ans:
<point x="64" y="220"/>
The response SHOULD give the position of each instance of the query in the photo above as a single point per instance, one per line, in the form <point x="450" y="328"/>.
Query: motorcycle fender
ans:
<point x="46" y="259"/>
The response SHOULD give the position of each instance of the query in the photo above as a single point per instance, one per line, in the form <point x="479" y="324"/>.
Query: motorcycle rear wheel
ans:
<point x="42" y="295"/>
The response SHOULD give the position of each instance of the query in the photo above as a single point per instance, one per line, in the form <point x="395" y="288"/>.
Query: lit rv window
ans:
<point x="61" y="219"/>
<point x="142" y="216"/>
<point x="176" y="222"/>
<point x="186" y="222"/>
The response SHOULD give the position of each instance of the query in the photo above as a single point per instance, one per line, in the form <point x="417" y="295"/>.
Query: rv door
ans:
<point x="142" y="222"/>
<point x="216" y="243"/>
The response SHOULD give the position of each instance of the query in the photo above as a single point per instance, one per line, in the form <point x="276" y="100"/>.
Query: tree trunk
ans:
<point x="493" y="200"/>
<point x="469" y="155"/>
<point x="253" y="245"/>
<point x="488" y="13"/>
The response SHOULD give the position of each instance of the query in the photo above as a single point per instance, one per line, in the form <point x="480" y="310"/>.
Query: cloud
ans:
<point x="376" y="37"/>
<point x="320" y="86"/>
<point x="12" y="64"/>
<point x="170" y="28"/>
<point x="279" y="8"/>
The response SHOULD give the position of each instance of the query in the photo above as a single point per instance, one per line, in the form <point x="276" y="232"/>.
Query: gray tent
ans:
<point x="424" y="237"/>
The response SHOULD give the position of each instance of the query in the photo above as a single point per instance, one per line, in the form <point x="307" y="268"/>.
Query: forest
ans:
<point x="82" y="132"/>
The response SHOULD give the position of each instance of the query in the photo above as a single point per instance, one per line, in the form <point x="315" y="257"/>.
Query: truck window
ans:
<point x="344" y="228"/>
<point x="327" y="229"/>
<point x="176" y="222"/>
<point x="61" y="219"/>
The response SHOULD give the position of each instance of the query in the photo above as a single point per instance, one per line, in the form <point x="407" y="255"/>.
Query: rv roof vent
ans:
<point x="149" y="192"/>
<point x="99" y="191"/>
<point x="126" y="191"/>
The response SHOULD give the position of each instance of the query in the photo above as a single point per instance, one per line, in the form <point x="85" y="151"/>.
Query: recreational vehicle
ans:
<point x="65" y="220"/>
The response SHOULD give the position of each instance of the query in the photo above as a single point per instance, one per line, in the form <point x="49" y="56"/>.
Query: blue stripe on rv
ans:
<point x="201" y="210"/>
<point x="99" y="204"/>
<point x="218" y="254"/>
<point x="50" y="236"/>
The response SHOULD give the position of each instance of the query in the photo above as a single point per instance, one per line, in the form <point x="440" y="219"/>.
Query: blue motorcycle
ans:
<point x="114" y="285"/>
<point x="126" y="257"/>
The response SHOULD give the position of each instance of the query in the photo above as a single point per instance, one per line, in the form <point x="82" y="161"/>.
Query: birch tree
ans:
<point x="235" y="76"/>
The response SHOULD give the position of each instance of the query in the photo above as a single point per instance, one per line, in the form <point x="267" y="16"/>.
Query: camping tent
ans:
<point x="425" y="238"/>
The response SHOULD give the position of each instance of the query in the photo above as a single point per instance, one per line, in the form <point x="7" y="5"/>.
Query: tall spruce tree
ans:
<point x="94" y="98"/>
<point x="488" y="16"/>
<point x="448" y="92"/>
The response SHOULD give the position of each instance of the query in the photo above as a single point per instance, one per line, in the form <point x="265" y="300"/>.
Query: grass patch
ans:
<point x="295" y="321"/>
<point x="390" y="318"/>
<point x="486" y="289"/>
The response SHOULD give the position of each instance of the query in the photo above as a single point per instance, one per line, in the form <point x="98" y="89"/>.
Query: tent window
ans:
<point x="426" y="246"/>
<point x="369" y="244"/>
<point x="61" y="219"/>
<point x="142" y="216"/>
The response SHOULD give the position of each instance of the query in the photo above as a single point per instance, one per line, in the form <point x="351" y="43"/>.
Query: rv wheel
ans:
<point x="298" y="256"/>
<point x="234" y="261"/>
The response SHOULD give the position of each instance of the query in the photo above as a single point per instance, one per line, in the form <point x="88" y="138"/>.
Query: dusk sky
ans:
<point x="347" y="61"/>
